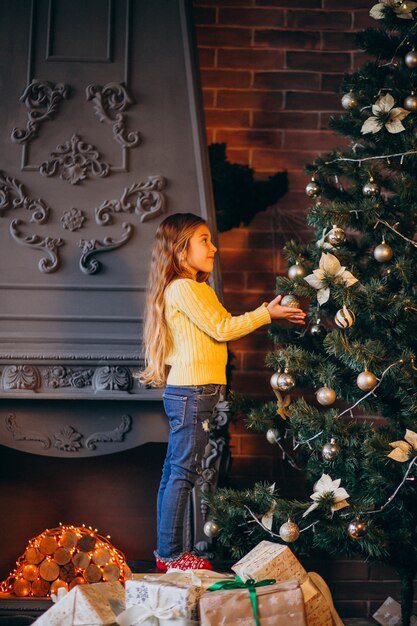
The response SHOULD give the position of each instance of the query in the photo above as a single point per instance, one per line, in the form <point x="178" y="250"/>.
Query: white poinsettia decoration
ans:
<point x="324" y="488"/>
<point x="402" y="8"/>
<point x="385" y="114"/>
<point x="403" y="449"/>
<point x="329" y="266"/>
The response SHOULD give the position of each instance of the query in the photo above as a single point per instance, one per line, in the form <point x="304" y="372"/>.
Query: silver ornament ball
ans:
<point x="410" y="103"/>
<point x="296" y="271"/>
<point x="411" y="59"/>
<point x="357" y="529"/>
<point x="325" y="395"/>
<point x="272" y="435"/>
<point x="285" y="381"/>
<point x="344" y="318"/>
<point x="211" y="529"/>
<point x="370" y="189"/>
<point x="383" y="253"/>
<point x="289" y="531"/>
<point x="318" y="330"/>
<point x="330" y="450"/>
<point x="290" y="301"/>
<point x="336" y="236"/>
<point x="366" y="381"/>
<point x="274" y="380"/>
<point x="313" y="189"/>
<point x="349" y="101"/>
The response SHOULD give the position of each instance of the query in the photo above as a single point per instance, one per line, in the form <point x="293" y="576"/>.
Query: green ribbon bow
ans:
<point x="250" y="585"/>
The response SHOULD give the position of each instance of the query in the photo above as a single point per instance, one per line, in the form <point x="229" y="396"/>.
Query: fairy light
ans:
<point x="394" y="229"/>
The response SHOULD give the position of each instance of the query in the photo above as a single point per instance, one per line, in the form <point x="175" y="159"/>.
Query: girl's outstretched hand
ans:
<point x="278" y="312"/>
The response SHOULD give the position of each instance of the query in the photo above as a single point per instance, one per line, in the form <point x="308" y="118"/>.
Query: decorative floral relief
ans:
<point x="59" y="376"/>
<point x="144" y="199"/>
<point x="109" y="436"/>
<point x="25" y="435"/>
<point x="72" y="219"/>
<point x="112" y="378"/>
<point x="13" y="196"/>
<point x="42" y="99"/>
<point x="20" y="377"/>
<point x="74" y="160"/>
<point x="110" y="102"/>
<point x="88" y="264"/>
<point x="48" y="244"/>
<point x="68" y="439"/>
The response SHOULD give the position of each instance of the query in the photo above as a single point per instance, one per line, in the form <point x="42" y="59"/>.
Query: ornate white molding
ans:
<point x="144" y="199"/>
<point x="19" y="434"/>
<point x="74" y="160"/>
<point x="22" y="377"/>
<point x="112" y="378"/>
<point x="48" y="244"/>
<point x="110" y="102"/>
<point x="90" y="247"/>
<point x="110" y="436"/>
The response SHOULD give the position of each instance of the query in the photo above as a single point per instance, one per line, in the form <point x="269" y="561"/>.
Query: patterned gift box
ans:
<point x="270" y="560"/>
<point x="279" y="604"/>
<point x="86" y="605"/>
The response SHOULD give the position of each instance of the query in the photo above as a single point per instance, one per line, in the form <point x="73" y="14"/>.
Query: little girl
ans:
<point x="185" y="333"/>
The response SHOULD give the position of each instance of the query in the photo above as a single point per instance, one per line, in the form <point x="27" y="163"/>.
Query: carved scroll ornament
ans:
<point x="112" y="378"/>
<point x="90" y="265"/>
<point x="74" y="160"/>
<point x="21" y="377"/>
<point x="144" y="199"/>
<point x="110" y="102"/>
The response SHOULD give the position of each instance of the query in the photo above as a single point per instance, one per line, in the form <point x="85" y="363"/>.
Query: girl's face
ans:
<point x="200" y="251"/>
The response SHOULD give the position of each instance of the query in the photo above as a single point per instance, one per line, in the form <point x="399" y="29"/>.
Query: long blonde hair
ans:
<point x="167" y="264"/>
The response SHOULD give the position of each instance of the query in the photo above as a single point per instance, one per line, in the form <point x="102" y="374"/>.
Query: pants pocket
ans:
<point x="175" y="407"/>
<point x="209" y="390"/>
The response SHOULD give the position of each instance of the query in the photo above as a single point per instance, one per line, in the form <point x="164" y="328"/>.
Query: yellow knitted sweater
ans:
<point x="200" y="327"/>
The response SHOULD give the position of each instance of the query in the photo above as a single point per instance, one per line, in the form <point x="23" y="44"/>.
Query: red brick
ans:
<point x="346" y="4"/>
<point x="224" y="2"/>
<point x="359" y="59"/>
<point x="319" y="61"/>
<point x="234" y="444"/>
<point x="237" y="302"/>
<point x="297" y="201"/>
<point x="251" y="59"/>
<point x="209" y="97"/>
<point x="325" y="117"/>
<point x="297" y="180"/>
<point x="225" y="37"/>
<point x="287" y="80"/>
<point x="379" y="571"/>
<point x="252" y="17"/>
<point x="345" y="590"/>
<point x="225" y="78"/>
<point x="257" y="445"/>
<point x="233" y="279"/>
<point x="253" y="383"/>
<point x="246" y="466"/>
<point x="301" y="4"/>
<point x="259" y="340"/>
<point x="332" y="82"/>
<point x="260" y="240"/>
<point x="285" y="120"/>
<point x="362" y="19"/>
<point x="250" y="138"/>
<point x="271" y="160"/>
<point x="352" y="609"/>
<point x="239" y="155"/>
<point x="206" y="57"/>
<point x="311" y="139"/>
<point x="339" y="41"/>
<point x="319" y="20"/>
<point x="232" y="259"/>
<point x="209" y="136"/>
<point x="204" y="15"/>
<point x="252" y="100"/>
<point x="307" y="101"/>
<point x="287" y="39"/>
<point x="226" y="119"/>
<point x="264" y="281"/>
<point x="236" y="238"/>
<point x="253" y="361"/>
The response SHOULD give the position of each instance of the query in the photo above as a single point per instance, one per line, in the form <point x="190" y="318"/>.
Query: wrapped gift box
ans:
<point x="270" y="560"/>
<point x="171" y="596"/>
<point x="389" y="614"/>
<point x="317" y="607"/>
<point x="86" y="605"/>
<point x="280" y="604"/>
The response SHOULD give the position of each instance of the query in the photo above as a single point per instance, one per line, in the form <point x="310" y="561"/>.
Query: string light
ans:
<point x="394" y="229"/>
<point x="372" y="158"/>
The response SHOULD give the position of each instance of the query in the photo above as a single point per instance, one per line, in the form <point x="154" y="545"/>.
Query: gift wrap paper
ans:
<point x="86" y="605"/>
<point x="389" y="614"/>
<point x="280" y="604"/>
<point x="270" y="560"/>
<point x="317" y="608"/>
<point x="154" y="600"/>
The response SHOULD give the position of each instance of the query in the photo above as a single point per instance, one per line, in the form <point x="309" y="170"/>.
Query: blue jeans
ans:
<point x="189" y="410"/>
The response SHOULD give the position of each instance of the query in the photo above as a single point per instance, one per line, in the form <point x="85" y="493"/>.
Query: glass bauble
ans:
<point x="357" y="529"/>
<point x="272" y="435"/>
<point x="370" y="189"/>
<point x="325" y="395"/>
<point x="211" y="529"/>
<point x="411" y="59"/>
<point x="291" y="301"/>
<point x="330" y="450"/>
<point x="383" y="253"/>
<point x="349" y="101"/>
<point x="313" y="189"/>
<point x="366" y="381"/>
<point x="344" y="318"/>
<point x="336" y="236"/>
<point x="296" y="271"/>
<point x="289" y="531"/>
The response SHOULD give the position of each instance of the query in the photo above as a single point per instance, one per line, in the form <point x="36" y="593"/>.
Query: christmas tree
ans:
<point x="355" y="428"/>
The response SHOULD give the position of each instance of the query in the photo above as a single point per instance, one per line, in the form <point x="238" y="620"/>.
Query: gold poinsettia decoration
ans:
<point x="282" y="404"/>
<point x="404" y="448"/>
<point x="385" y="114"/>
<point x="402" y="8"/>
<point x="328" y="489"/>
<point x="329" y="267"/>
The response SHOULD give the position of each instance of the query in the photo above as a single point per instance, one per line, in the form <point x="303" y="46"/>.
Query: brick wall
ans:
<point x="271" y="71"/>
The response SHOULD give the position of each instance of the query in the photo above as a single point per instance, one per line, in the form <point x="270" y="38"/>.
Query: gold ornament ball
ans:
<point x="325" y="395"/>
<point x="296" y="271"/>
<point x="285" y="381"/>
<point x="366" y="381"/>
<point x="349" y="101"/>
<point x="289" y="531"/>
<point x="357" y="529"/>
<point x="383" y="253"/>
<point x="370" y="189"/>
<point x="211" y="529"/>
<point x="272" y="435"/>
<point x="274" y="380"/>
<point x="290" y="301"/>
<point x="330" y="450"/>
<point x="336" y="236"/>
<point x="344" y="318"/>
<point x="411" y="59"/>
<point x="313" y="189"/>
<point x="410" y="103"/>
